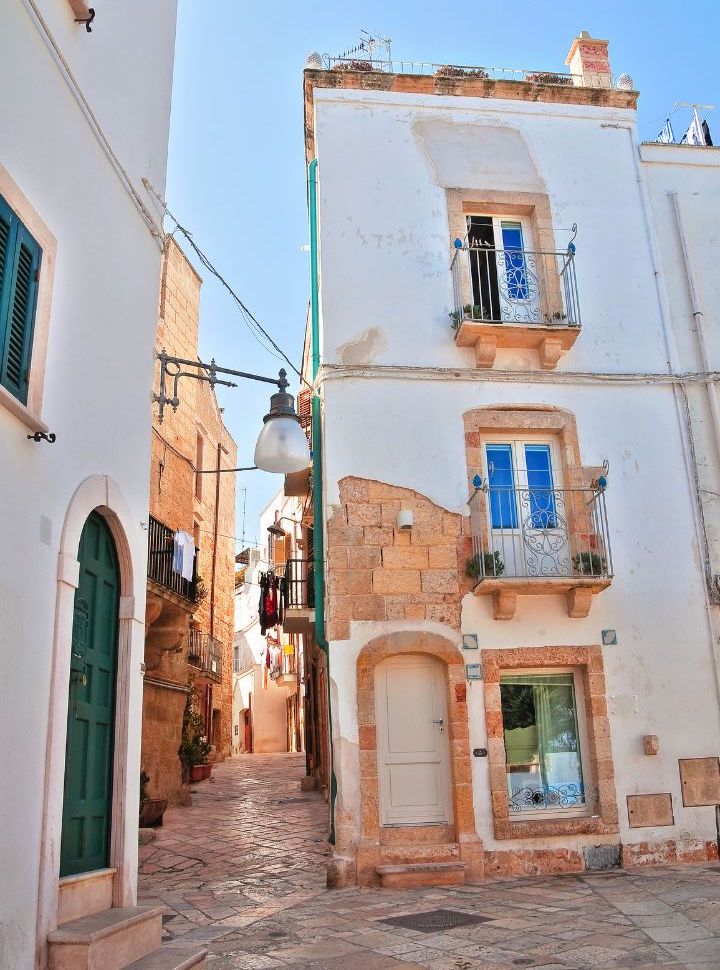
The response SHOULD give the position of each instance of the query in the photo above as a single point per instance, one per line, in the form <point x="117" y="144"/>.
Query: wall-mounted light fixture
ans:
<point x="405" y="519"/>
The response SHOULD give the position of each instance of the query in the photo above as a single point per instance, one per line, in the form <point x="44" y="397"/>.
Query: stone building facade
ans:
<point x="518" y="678"/>
<point x="189" y="625"/>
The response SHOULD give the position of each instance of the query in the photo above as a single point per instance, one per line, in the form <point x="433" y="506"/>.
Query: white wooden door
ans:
<point x="412" y="739"/>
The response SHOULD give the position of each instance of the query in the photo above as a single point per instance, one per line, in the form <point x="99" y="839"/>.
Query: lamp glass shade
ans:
<point x="282" y="446"/>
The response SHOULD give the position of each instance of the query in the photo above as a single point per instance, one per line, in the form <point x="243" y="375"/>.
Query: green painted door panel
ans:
<point x="87" y="801"/>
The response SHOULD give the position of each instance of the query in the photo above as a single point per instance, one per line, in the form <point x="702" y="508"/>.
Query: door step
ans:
<point x="410" y="875"/>
<point x="398" y="855"/>
<point x="109" y="940"/>
<point x="171" y="958"/>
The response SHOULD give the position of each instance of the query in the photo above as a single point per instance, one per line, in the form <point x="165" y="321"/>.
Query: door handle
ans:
<point x="441" y="722"/>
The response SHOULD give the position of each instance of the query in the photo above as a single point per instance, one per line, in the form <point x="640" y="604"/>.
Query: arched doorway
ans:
<point x="87" y="799"/>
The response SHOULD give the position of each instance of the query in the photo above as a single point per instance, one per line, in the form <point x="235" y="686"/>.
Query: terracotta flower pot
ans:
<point x="197" y="772"/>
<point x="207" y="770"/>
<point x="152" y="812"/>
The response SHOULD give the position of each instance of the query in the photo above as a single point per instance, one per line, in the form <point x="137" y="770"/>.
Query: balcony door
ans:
<point x="502" y="272"/>
<point x="528" y="533"/>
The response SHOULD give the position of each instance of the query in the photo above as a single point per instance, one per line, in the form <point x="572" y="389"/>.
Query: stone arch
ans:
<point x="448" y="651"/>
<point x="102" y="494"/>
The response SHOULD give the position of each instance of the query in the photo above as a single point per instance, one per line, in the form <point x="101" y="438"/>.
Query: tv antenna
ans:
<point x="370" y="44"/>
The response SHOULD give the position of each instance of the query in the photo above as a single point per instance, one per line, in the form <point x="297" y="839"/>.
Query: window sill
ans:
<point x="21" y="412"/>
<point x="551" y="341"/>
<point x="506" y="828"/>
<point x="579" y="591"/>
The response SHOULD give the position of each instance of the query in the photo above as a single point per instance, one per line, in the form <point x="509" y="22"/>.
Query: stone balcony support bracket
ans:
<point x="578" y="591"/>
<point x="551" y="342"/>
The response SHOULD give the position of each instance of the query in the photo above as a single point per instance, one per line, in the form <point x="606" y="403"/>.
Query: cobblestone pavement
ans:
<point x="242" y="871"/>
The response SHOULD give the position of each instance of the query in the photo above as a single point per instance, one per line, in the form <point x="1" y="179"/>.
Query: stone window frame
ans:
<point x="30" y="413"/>
<point x="588" y="661"/>
<point x="533" y="206"/>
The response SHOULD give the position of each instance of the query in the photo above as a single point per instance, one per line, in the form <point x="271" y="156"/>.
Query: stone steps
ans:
<point x="108" y="940"/>
<point x="393" y="855"/>
<point x="171" y="958"/>
<point x="416" y="874"/>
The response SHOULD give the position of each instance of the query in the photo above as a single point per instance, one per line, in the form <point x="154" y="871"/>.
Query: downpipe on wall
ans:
<point x="317" y="479"/>
<point x="712" y="599"/>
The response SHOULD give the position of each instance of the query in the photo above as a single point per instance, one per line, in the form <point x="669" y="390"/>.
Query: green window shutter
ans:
<point x="20" y="258"/>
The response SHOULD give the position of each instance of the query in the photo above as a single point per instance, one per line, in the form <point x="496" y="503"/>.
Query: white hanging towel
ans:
<point x="177" y="552"/>
<point x="188" y="559"/>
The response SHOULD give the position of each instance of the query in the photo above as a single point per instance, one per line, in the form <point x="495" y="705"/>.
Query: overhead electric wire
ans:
<point x="250" y="320"/>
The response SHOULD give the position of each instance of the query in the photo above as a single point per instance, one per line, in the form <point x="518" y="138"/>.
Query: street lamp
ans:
<point x="281" y="446"/>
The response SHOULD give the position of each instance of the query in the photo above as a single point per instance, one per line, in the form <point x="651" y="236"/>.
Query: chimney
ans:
<point x="588" y="62"/>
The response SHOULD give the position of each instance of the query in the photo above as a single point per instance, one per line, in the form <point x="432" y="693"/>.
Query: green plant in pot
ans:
<point x="485" y="564"/>
<point x="195" y="748"/>
<point x="589" y="564"/>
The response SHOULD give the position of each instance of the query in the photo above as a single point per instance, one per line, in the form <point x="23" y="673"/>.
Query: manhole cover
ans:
<point x="435" y="920"/>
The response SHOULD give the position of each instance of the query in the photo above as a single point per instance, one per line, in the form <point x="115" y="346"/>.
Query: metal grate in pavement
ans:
<point x="436" y="920"/>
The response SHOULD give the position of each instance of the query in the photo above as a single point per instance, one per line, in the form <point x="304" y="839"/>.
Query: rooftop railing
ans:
<point x="514" y="286"/>
<point x="459" y="71"/>
<point x="539" y="533"/>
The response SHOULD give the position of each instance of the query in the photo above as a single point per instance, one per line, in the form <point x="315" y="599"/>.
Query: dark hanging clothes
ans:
<point x="272" y="601"/>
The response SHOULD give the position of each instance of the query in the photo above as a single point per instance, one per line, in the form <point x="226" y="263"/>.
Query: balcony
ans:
<point x="514" y="299"/>
<point x="205" y="653"/>
<point x="160" y="564"/>
<point x="300" y="587"/>
<point x="532" y="541"/>
<point x="288" y="671"/>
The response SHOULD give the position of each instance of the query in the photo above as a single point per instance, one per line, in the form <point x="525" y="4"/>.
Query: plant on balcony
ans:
<point x="589" y="564"/>
<point x="468" y="312"/>
<point x="450" y="70"/>
<point x="195" y="748"/>
<point x="354" y="66"/>
<point x="485" y="564"/>
<point x="201" y="589"/>
<point x="549" y="77"/>
<point x="555" y="317"/>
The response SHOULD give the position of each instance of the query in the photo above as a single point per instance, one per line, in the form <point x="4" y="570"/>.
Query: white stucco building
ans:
<point x="524" y="679"/>
<point x="79" y="286"/>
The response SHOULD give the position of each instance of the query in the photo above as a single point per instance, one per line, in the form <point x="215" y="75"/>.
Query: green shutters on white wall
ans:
<point x="20" y="258"/>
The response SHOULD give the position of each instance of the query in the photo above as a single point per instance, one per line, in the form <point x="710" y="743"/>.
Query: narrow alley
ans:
<point x="242" y="872"/>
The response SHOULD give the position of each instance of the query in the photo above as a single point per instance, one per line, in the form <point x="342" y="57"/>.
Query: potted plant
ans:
<point x="194" y="746"/>
<point x="151" y="809"/>
<point x="485" y="564"/>
<point x="589" y="564"/>
<point x="354" y="66"/>
<point x="450" y="70"/>
<point x="549" y="77"/>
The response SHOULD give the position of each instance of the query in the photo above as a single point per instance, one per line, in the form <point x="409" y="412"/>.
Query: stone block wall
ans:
<point x="377" y="571"/>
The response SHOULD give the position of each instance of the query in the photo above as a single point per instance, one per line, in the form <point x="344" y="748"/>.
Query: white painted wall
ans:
<point x="385" y="161"/>
<point x="97" y="382"/>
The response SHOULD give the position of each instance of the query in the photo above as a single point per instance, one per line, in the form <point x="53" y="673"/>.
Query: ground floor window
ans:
<point x="542" y="743"/>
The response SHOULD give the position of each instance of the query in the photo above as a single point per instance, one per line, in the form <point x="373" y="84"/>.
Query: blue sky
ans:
<point x="237" y="172"/>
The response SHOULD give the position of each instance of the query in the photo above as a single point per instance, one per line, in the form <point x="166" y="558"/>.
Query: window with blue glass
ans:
<point x="515" y="267"/>
<point x="538" y="465"/>
<point x="501" y="482"/>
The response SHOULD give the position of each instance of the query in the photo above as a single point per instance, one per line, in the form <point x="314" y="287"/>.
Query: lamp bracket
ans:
<point x="173" y="368"/>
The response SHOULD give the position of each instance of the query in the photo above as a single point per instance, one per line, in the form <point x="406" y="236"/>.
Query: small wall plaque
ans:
<point x="609" y="638"/>
<point x="470" y="641"/>
<point x="474" y="671"/>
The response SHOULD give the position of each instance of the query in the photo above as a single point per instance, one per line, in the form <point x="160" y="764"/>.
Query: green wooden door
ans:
<point x="87" y="802"/>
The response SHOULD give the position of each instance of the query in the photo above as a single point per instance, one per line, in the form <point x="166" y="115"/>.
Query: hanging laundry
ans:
<point x="184" y="555"/>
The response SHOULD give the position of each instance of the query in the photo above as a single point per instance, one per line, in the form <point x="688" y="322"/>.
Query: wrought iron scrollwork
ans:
<point x="531" y="797"/>
<point x="544" y="531"/>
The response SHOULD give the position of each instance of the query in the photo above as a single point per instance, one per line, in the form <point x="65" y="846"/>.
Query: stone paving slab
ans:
<point x="242" y="870"/>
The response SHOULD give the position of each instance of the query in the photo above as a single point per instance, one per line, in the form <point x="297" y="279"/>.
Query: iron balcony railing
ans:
<point x="457" y="71"/>
<point x="205" y="653"/>
<point x="160" y="562"/>
<point x="300" y="584"/>
<point x="514" y="286"/>
<point x="539" y="533"/>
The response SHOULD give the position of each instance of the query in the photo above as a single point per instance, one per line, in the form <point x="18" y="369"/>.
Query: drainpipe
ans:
<point x="697" y="315"/>
<point x="319" y="524"/>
